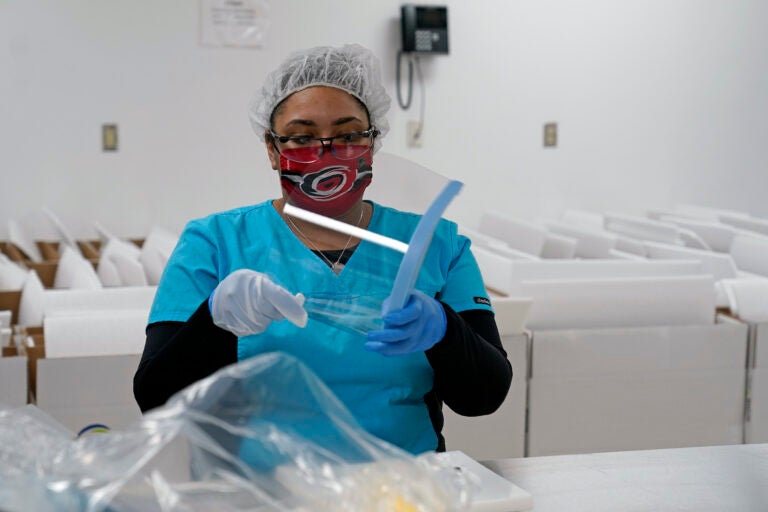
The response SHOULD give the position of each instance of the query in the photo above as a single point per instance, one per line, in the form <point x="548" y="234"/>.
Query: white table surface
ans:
<point x="705" y="479"/>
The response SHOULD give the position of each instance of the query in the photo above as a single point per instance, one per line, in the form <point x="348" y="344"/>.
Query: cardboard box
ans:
<point x="9" y="301"/>
<point x="79" y="391"/>
<point x="757" y="418"/>
<point x="96" y="333"/>
<point x="501" y="434"/>
<point x="61" y="302"/>
<point x="594" y="390"/>
<point x="46" y="271"/>
<point x="13" y="381"/>
<point x="90" y="249"/>
<point x="47" y="268"/>
<point x="33" y="349"/>
<point x="756" y="415"/>
<point x="48" y="250"/>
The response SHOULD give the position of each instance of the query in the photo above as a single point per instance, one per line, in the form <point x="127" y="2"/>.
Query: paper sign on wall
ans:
<point x="235" y="23"/>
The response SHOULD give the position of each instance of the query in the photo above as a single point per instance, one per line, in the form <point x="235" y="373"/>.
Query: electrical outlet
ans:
<point x="550" y="135"/>
<point x="415" y="134"/>
<point x="109" y="137"/>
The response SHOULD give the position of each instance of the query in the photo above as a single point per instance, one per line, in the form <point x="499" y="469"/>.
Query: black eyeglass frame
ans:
<point x="371" y="132"/>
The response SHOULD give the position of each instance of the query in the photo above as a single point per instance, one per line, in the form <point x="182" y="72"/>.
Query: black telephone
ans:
<point x="425" y="28"/>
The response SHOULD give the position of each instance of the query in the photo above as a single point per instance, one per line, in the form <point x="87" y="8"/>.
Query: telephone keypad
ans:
<point x="424" y="40"/>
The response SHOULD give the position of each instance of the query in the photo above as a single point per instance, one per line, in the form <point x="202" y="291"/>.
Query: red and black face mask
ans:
<point x="329" y="186"/>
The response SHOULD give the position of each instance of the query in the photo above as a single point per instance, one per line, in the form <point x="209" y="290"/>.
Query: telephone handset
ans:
<point x="424" y="28"/>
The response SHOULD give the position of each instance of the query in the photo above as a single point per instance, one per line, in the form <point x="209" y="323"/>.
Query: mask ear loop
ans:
<point x="414" y="251"/>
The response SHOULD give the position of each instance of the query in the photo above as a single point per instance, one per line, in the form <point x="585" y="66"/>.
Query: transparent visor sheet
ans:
<point x="356" y="303"/>
<point x="261" y="435"/>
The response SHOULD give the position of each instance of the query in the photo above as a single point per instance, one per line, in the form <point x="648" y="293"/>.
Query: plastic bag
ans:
<point x="261" y="435"/>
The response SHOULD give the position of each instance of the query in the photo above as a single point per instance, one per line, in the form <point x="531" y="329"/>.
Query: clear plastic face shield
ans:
<point x="385" y="266"/>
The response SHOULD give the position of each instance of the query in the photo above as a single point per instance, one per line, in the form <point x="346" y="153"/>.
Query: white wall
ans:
<point x="657" y="101"/>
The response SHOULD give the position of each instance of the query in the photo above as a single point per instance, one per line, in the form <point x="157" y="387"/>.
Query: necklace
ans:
<point x="336" y="266"/>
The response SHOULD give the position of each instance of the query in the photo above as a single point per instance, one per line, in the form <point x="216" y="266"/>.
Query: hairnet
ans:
<point x="351" y="68"/>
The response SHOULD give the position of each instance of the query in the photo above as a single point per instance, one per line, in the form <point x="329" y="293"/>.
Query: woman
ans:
<point x="235" y="284"/>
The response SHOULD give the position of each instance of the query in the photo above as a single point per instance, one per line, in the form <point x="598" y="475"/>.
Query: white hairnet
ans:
<point x="351" y="68"/>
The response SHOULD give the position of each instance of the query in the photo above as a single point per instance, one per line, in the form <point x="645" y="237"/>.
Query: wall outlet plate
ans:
<point x="550" y="135"/>
<point x="109" y="137"/>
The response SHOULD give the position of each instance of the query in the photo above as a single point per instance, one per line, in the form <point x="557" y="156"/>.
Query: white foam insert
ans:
<point x="544" y="270"/>
<point x="31" y="303"/>
<point x="21" y="239"/>
<point x="752" y="224"/>
<point x="583" y="303"/>
<point x="12" y="275"/>
<point x="155" y="251"/>
<point x="591" y="243"/>
<point x="66" y="301"/>
<point x="717" y="235"/>
<point x="559" y="247"/>
<point x="720" y="266"/>
<point x="641" y="228"/>
<point x="95" y="333"/>
<point x="518" y="234"/>
<point x="750" y="252"/>
<point x="747" y="298"/>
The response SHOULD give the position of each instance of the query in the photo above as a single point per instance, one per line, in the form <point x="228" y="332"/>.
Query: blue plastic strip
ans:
<point x="417" y="247"/>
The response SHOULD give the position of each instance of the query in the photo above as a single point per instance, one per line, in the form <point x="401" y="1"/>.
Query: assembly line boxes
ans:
<point x="13" y="381"/>
<point x="756" y="429"/>
<point x="50" y="252"/>
<point x="46" y="269"/>
<point x="614" y="389"/>
<point x="79" y="391"/>
<point x="501" y="434"/>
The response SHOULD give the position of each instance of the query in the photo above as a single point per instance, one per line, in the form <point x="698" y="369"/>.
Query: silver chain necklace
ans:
<point x="337" y="265"/>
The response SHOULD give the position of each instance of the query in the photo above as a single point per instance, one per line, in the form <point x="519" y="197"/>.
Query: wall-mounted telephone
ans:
<point x="424" y="28"/>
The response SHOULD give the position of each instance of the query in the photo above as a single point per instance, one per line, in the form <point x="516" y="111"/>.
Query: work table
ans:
<point x="703" y="479"/>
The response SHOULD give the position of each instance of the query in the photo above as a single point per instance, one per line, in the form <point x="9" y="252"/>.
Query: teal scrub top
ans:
<point x="384" y="394"/>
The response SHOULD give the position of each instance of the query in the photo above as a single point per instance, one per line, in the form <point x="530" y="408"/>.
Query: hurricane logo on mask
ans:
<point x="325" y="184"/>
<point x="329" y="186"/>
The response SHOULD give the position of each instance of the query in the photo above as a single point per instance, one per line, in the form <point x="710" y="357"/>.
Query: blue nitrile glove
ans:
<point x="414" y="328"/>
<point x="246" y="302"/>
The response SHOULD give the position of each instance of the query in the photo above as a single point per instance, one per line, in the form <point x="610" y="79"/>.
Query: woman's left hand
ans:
<point x="414" y="328"/>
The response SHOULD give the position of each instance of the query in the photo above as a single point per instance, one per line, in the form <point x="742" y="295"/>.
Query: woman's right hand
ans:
<point x="246" y="302"/>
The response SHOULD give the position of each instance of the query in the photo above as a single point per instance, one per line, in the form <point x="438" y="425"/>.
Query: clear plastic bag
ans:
<point x="262" y="435"/>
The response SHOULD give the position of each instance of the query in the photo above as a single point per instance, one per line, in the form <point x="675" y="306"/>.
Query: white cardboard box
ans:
<point x="501" y="434"/>
<point x="79" y="391"/>
<point x="13" y="381"/>
<point x="594" y="390"/>
<point x="756" y="427"/>
<point x="757" y="420"/>
<point x="760" y="351"/>
<point x="620" y="302"/>
<point x="95" y="333"/>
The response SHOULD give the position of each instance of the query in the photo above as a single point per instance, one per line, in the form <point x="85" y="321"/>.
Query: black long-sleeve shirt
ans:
<point x="472" y="373"/>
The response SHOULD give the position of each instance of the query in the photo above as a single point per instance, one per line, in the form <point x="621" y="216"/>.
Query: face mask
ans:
<point x="330" y="186"/>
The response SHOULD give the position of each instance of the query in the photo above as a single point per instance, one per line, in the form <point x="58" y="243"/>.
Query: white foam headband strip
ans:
<point x="343" y="227"/>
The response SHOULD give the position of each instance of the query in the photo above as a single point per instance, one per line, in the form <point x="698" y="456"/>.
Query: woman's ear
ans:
<point x="271" y="151"/>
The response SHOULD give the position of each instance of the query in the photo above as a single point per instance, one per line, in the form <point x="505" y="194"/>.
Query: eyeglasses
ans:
<point x="306" y="150"/>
